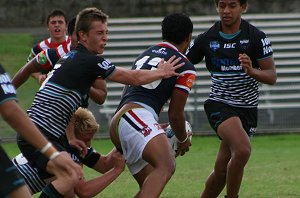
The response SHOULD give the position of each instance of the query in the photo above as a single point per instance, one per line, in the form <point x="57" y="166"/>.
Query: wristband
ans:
<point x="46" y="147"/>
<point x="54" y="155"/>
<point x="181" y="142"/>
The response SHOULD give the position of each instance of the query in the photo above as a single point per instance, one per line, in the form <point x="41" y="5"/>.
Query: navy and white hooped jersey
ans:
<point x="156" y="94"/>
<point x="65" y="89"/>
<point x="7" y="90"/>
<point x="230" y="84"/>
<point x="31" y="175"/>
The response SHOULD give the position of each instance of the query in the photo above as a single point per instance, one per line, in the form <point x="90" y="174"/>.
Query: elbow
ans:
<point x="83" y="193"/>
<point x="273" y="80"/>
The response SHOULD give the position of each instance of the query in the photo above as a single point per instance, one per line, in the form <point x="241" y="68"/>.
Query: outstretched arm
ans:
<point x="25" y="72"/>
<point x="93" y="187"/>
<point x="140" y="77"/>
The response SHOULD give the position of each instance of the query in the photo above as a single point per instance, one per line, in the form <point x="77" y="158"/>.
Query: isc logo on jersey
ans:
<point x="106" y="64"/>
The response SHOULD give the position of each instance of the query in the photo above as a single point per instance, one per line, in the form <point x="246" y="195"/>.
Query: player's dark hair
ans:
<point x="56" y="12"/>
<point x="85" y="18"/>
<point x="176" y="27"/>
<point x="242" y="2"/>
<point x="71" y="26"/>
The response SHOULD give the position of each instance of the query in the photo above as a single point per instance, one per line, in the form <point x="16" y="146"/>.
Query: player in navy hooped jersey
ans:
<point x="134" y="128"/>
<point x="11" y="182"/>
<point x="64" y="91"/>
<point x="238" y="56"/>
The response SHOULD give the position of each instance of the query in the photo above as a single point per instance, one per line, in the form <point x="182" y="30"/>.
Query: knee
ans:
<point x="169" y="169"/>
<point x="242" y="153"/>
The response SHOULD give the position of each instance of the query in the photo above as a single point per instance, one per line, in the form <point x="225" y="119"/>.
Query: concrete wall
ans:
<point x="32" y="13"/>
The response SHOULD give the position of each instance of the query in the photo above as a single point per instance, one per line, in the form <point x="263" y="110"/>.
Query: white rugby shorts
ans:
<point x="136" y="128"/>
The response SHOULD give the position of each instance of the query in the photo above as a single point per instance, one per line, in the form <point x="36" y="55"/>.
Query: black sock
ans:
<point x="50" y="192"/>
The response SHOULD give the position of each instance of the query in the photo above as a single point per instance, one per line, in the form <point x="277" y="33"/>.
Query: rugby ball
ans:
<point x="171" y="135"/>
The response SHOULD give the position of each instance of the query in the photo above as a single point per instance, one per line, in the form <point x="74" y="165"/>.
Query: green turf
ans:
<point x="14" y="50"/>
<point x="272" y="172"/>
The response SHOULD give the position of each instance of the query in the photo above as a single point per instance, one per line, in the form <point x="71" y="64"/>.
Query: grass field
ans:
<point x="272" y="172"/>
<point x="14" y="49"/>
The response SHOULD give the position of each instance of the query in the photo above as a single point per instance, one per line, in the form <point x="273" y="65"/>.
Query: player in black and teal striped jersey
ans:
<point x="238" y="56"/>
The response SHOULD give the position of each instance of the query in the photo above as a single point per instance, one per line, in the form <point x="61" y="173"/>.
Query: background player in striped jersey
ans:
<point x="84" y="127"/>
<point x="11" y="182"/>
<point x="238" y="56"/>
<point x="57" y="27"/>
<point x="65" y="90"/>
<point x="134" y="128"/>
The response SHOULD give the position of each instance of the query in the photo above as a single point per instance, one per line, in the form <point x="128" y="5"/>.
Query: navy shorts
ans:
<point x="218" y="112"/>
<point x="10" y="178"/>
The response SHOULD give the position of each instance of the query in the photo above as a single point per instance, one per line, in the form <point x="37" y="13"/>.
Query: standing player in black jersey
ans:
<point x="134" y="128"/>
<point x="65" y="90"/>
<point x="239" y="57"/>
<point x="11" y="182"/>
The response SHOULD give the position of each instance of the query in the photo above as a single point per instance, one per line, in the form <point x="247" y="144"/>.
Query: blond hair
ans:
<point x="85" y="121"/>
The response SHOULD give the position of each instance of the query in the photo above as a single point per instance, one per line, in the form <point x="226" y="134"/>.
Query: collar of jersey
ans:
<point x="229" y="36"/>
<point x="168" y="45"/>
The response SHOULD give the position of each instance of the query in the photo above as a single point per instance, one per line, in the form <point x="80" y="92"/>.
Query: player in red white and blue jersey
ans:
<point x="134" y="128"/>
<point x="66" y="88"/>
<point x="57" y="27"/>
<point x="238" y="56"/>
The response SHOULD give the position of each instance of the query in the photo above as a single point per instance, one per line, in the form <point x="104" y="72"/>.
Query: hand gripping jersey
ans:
<point x="46" y="44"/>
<point x="156" y="94"/>
<point x="7" y="90"/>
<point x="32" y="177"/>
<point x="66" y="88"/>
<point x="230" y="84"/>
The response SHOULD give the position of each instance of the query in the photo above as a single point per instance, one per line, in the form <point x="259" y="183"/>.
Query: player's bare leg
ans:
<point x="216" y="181"/>
<point x="161" y="157"/>
<point x="238" y="144"/>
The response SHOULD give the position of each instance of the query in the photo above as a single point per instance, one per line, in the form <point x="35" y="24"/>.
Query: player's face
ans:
<point x="230" y="12"/>
<point x="96" y="38"/>
<point x="57" y="28"/>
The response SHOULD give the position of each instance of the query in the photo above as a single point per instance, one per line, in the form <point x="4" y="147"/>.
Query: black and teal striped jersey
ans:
<point x="230" y="84"/>
<point x="7" y="90"/>
<point x="31" y="174"/>
<point x="66" y="88"/>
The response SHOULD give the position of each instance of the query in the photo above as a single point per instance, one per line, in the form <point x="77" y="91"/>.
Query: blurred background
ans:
<point x="134" y="25"/>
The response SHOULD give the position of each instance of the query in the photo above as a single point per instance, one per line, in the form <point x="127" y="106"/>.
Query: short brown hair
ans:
<point x="56" y="12"/>
<point x="242" y="2"/>
<point x="85" y="18"/>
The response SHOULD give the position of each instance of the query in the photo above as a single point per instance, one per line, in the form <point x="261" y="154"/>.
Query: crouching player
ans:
<point x="83" y="126"/>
